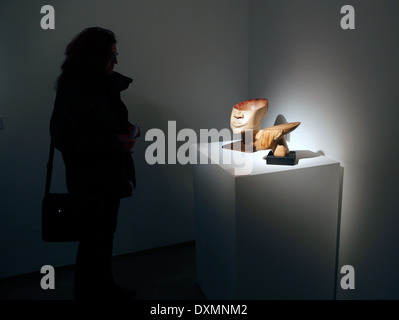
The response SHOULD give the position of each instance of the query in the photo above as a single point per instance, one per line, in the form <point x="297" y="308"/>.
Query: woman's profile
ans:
<point x="90" y="126"/>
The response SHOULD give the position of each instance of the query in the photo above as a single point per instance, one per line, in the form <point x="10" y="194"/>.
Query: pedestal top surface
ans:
<point x="241" y="164"/>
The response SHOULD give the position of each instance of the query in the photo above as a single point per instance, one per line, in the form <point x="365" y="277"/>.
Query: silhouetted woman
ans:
<point x="90" y="126"/>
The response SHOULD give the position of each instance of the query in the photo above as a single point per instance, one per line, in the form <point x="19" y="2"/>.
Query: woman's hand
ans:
<point x="126" y="141"/>
<point x="131" y="128"/>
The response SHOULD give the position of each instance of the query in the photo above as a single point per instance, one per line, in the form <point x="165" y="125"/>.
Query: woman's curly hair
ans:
<point x="86" y="56"/>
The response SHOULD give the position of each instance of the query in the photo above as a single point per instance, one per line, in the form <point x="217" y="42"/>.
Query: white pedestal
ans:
<point x="265" y="231"/>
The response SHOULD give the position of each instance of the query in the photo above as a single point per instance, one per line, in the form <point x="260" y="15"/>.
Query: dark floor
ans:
<point x="167" y="273"/>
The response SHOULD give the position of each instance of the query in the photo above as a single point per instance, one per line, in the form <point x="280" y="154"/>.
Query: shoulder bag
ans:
<point x="66" y="217"/>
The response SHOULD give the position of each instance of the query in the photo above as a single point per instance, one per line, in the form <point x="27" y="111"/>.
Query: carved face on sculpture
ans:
<point x="248" y="115"/>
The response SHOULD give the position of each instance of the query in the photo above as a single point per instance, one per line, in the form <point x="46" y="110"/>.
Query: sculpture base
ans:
<point x="239" y="146"/>
<point x="288" y="160"/>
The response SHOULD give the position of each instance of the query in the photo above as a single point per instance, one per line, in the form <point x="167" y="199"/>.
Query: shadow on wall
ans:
<point x="280" y="119"/>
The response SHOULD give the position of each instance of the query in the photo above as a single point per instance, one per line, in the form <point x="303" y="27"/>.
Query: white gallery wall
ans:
<point x="343" y="87"/>
<point x="189" y="61"/>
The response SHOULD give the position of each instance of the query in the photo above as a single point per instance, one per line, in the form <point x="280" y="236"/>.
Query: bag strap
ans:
<point x="49" y="168"/>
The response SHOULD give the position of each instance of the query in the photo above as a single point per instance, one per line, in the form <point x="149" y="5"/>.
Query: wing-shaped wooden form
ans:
<point x="273" y="138"/>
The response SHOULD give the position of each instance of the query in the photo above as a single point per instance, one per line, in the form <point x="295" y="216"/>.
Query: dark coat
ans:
<point x="84" y="127"/>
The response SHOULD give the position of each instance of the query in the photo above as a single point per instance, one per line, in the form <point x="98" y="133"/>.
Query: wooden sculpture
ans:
<point x="273" y="138"/>
<point x="246" y="117"/>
